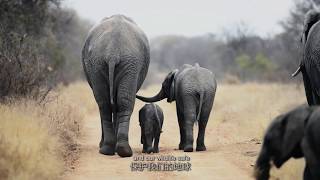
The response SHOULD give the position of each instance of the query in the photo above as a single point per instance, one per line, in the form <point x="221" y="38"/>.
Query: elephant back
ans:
<point x="196" y="79"/>
<point x="116" y="36"/>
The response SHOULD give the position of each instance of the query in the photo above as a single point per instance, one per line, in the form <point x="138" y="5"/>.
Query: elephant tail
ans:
<point x="111" y="79"/>
<point x="200" y="106"/>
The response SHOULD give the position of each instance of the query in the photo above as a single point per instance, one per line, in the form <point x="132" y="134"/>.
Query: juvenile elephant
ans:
<point x="193" y="88"/>
<point x="115" y="59"/>
<point x="309" y="66"/>
<point x="294" y="134"/>
<point x="151" y="121"/>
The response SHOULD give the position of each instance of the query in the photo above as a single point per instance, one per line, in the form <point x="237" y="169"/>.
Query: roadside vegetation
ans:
<point x="40" y="141"/>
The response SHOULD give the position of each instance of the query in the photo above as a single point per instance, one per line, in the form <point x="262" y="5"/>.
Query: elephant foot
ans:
<point x="107" y="150"/>
<point x="188" y="148"/>
<point x="181" y="146"/>
<point x="155" y="150"/>
<point x="149" y="150"/>
<point x="201" y="148"/>
<point x="124" y="150"/>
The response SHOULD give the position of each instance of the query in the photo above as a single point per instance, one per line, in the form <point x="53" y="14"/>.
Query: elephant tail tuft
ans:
<point x="200" y="106"/>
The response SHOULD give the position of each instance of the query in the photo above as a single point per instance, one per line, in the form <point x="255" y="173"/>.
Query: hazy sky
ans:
<point x="190" y="17"/>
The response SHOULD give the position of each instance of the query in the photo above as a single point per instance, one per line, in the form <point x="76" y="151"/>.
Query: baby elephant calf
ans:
<point x="151" y="120"/>
<point x="294" y="134"/>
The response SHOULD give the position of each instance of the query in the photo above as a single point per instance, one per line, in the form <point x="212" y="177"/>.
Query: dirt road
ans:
<point x="226" y="157"/>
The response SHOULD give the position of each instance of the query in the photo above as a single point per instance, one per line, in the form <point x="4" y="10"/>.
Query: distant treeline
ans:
<point x="238" y="56"/>
<point x="246" y="58"/>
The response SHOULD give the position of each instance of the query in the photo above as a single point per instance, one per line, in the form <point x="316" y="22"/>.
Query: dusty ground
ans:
<point x="216" y="163"/>
<point x="233" y="137"/>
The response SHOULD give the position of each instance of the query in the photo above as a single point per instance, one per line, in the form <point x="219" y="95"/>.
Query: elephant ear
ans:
<point x="293" y="130"/>
<point x="311" y="70"/>
<point x="311" y="18"/>
<point x="171" y="96"/>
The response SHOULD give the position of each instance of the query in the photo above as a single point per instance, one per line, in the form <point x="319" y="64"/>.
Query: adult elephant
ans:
<point x="193" y="88"/>
<point x="115" y="60"/>
<point x="310" y="64"/>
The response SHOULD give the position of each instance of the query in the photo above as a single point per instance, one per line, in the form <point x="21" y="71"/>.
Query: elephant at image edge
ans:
<point x="193" y="88"/>
<point x="310" y="64"/>
<point x="115" y="60"/>
<point x="294" y="134"/>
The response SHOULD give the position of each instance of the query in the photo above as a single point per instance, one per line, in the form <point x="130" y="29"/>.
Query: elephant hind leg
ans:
<point x="156" y="143"/>
<point x="201" y="133"/>
<point x="126" y="92"/>
<point x="180" y="121"/>
<point x="204" y="117"/>
<point x="202" y="130"/>
<point x="107" y="143"/>
<point x="189" y="115"/>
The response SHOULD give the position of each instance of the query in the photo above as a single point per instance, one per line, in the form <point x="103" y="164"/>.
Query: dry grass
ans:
<point x="26" y="147"/>
<point x="250" y="107"/>
<point x="39" y="141"/>
<point x="247" y="109"/>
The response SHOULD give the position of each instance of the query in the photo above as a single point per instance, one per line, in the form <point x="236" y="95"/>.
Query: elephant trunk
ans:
<point x="262" y="166"/>
<point x="155" y="98"/>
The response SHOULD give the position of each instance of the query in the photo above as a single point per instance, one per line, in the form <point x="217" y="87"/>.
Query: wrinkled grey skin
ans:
<point x="294" y="134"/>
<point x="115" y="60"/>
<point x="310" y="64"/>
<point x="151" y="121"/>
<point x="193" y="88"/>
<point x="311" y="147"/>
